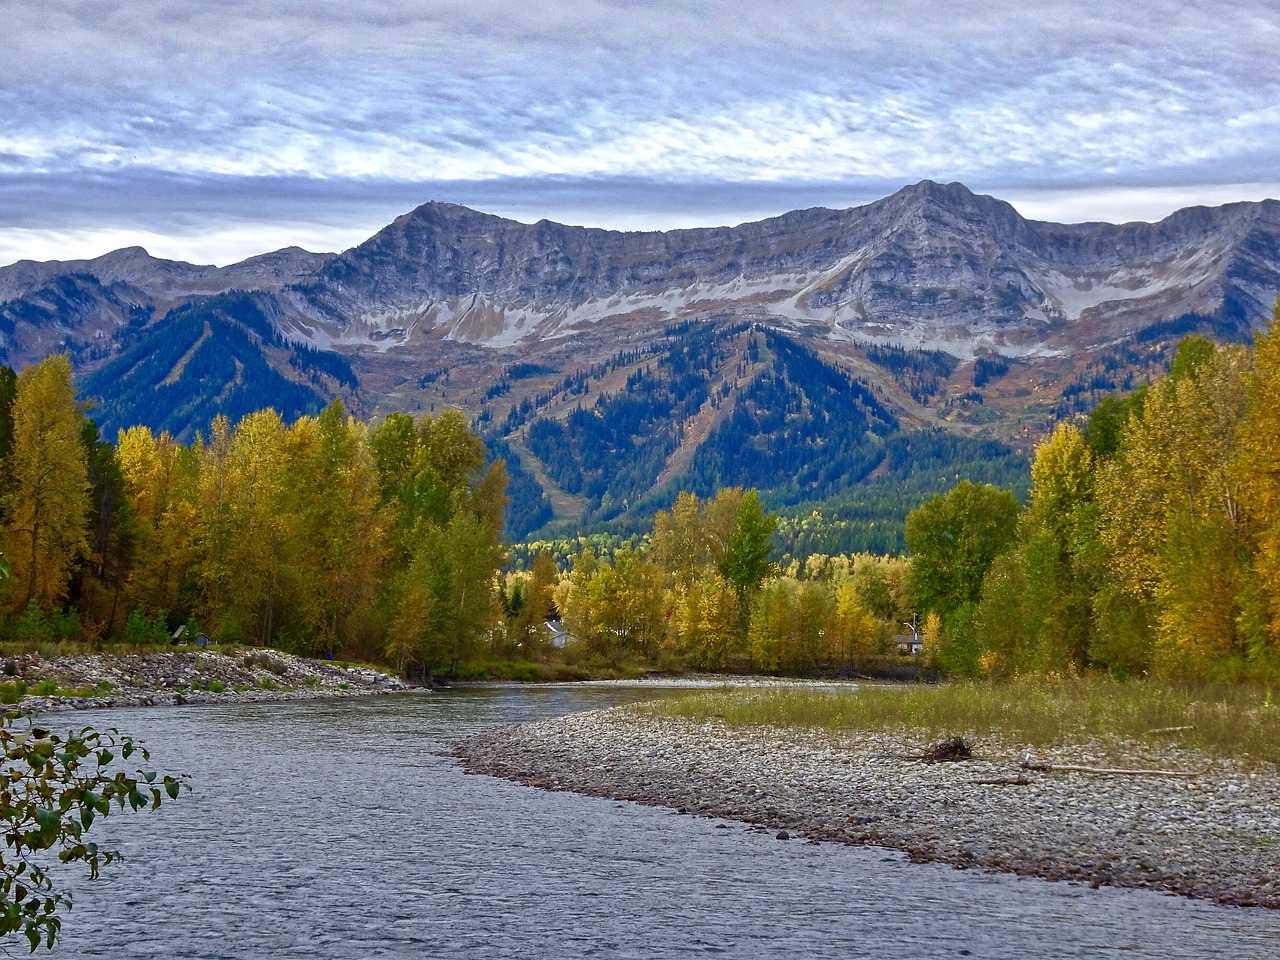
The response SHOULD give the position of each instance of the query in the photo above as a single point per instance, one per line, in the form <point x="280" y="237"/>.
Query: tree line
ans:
<point x="324" y="536"/>
<point x="701" y="591"/>
<point x="1150" y="543"/>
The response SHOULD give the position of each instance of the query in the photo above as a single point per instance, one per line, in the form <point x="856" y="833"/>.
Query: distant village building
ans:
<point x="908" y="644"/>
<point x="556" y="633"/>
<point x="181" y="638"/>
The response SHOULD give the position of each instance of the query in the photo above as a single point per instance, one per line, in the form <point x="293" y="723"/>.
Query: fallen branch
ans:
<point x="1190" y="726"/>
<point x="1004" y="782"/>
<point x="1043" y="767"/>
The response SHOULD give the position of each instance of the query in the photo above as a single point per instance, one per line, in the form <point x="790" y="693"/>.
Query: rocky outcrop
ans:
<point x="80" y="305"/>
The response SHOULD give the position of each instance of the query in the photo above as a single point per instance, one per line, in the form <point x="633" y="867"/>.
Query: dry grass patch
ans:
<point x="1237" y="722"/>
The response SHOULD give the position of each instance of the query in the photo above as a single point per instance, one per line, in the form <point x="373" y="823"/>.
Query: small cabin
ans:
<point x="908" y="644"/>
<point x="557" y="636"/>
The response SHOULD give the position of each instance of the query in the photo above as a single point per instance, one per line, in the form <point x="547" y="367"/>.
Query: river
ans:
<point x="336" y="829"/>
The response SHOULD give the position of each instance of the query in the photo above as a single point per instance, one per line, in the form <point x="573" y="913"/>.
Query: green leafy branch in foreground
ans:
<point x="1240" y="722"/>
<point x="52" y="789"/>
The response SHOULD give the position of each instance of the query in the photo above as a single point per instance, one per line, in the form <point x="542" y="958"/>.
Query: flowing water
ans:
<point x="336" y="829"/>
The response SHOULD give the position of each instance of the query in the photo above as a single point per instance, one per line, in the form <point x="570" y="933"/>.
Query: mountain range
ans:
<point x="931" y="309"/>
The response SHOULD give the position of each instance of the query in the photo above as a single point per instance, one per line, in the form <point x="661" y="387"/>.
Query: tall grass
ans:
<point x="1239" y="722"/>
<point x="49" y="649"/>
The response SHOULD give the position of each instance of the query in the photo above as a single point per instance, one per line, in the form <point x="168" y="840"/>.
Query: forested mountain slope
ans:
<point x="792" y="354"/>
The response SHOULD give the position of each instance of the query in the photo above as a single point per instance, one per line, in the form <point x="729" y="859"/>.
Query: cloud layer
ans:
<point x="183" y="119"/>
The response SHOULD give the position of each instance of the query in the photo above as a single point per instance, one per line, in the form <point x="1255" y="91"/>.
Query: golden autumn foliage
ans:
<point x="310" y="536"/>
<point x="1173" y="519"/>
<point x="1150" y="543"/>
<point x="1259" y="468"/>
<point x="702" y="593"/>
<point x="47" y="505"/>
<point x="1154" y="546"/>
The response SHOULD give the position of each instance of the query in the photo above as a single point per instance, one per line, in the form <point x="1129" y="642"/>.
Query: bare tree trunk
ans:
<point x="31" y="570"/>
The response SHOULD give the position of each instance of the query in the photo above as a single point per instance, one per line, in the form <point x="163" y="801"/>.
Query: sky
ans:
<point x="212" y="131"/>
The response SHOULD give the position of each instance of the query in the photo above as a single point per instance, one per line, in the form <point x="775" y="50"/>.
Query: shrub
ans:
<point x="266" y="661"/>
<point x="66" y="624"/>
<point x="33" y="627"/>
<point x="141" y="630"/>
<point x="216" y="686"/>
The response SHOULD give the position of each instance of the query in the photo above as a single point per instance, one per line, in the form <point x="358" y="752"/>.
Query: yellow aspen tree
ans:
<point x="571" y="595"/>
<point x="718" y="622"/>
<point x="47" y="505"/>
<point x="216" y="530"/>
<point x="412" y="626"/>
<point x="770" y="624"/>
<point x="160" y="482"/>
<point x="720" y="520"/>
<point x="686" y="618"/>
<point x="1175" y="528"/>
<point x="139" y="459"/>
<point x="931" y="639"/>
<point x="259" y="522"/>
<point x="1260" y="465"/>
<point x="1058" y="632"/>
<point x="338" y="535"/>
<point x="853" y="633"/>
<point x="679" y="539"/>
<point x="813" y="614"/>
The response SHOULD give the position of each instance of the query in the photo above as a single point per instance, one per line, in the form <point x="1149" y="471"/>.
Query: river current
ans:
<point x="337" y="829"/>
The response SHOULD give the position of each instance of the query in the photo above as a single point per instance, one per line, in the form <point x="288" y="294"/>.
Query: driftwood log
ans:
<point x="1045" y="767"/>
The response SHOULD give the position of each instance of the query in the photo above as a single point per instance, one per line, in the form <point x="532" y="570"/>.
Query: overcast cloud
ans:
<point x="213" y="131"/>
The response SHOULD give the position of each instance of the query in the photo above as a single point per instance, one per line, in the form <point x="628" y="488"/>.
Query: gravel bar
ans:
<point x="184" y="677"/>
<point x="1212" y="835"/>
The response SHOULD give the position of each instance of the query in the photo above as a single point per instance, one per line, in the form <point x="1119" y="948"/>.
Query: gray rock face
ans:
<point x="134" y="267"/>
<point x="80" y="304"/>
<point x="932" y="265"/>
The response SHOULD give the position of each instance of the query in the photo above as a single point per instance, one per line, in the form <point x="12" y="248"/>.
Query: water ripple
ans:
<point x="334" y="830"/>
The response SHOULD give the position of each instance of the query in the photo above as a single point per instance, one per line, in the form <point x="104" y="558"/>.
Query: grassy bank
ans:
<point x="1239" y="722"/>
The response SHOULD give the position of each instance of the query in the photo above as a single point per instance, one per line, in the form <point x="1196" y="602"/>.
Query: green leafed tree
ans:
<point x="954" y="539"/>
<point x="52" y="790"/>
<point x="746" y="557"/>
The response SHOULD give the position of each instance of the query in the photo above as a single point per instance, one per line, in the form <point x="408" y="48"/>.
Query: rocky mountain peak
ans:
<point x="954" y="192"/>
<point x="934" y="265"/>
<point x="955" y="203"/>
<point x="134" y="254"/>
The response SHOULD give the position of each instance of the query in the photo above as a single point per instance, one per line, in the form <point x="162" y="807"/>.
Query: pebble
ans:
<point x="182" y="677"/>
<point x="1194" y="837"/>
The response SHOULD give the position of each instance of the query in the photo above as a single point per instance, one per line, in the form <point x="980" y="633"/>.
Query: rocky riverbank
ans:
<point x="1212" y="834"/>
<point x="94" y="681"/>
